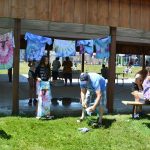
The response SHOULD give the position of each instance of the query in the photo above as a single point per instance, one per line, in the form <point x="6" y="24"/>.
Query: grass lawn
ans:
<point x="118" y="133"/>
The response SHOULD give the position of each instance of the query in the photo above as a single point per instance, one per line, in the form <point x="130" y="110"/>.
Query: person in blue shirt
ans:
<point x="93" y="88"/>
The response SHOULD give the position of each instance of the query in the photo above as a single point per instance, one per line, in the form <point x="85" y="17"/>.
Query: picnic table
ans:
<point x="134" y="104"/>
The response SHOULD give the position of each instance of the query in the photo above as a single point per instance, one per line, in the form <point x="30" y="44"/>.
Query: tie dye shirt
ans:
<point x="36" y="46"/>
<point x="6" y="50"/>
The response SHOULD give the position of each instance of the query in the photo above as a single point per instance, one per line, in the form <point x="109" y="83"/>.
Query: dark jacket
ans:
<point x="43" y="73"/>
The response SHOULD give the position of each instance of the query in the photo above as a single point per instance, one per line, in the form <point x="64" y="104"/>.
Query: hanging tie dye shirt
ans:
<point x="64" y="48"/>
<point x="102" y="47"/>
<point x="6" y="50"/>
<point x="36" y="46"/>
<point x="86" y="46"/>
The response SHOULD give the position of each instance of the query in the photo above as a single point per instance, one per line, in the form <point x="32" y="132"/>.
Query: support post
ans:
<point x="82" y="65"/>
<point x="16" y="58"/>
<point x="143" y="62"/>
<point x="111" y="71"/>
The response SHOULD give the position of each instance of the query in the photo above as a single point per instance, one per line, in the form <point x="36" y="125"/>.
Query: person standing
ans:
<point x="93" y="88"/>
<point x="104" y="71"/>
<point x="32" y="83"/>
<point x="42" y="74"/>
<point x="67" y="70"/>
<point x="55" y="67"/>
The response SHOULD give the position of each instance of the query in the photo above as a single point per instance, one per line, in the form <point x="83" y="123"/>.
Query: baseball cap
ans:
<point x="84" y="77"/>
<point x="83" y="80"/>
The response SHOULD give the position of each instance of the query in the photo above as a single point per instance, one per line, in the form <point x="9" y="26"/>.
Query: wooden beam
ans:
<point x="17" y="31"/>
<point x="82" y="65"/>
<point x="143" y="62"/>
<point x="111" y="72"/>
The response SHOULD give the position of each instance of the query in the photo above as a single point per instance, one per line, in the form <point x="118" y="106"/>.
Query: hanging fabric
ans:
<point x="102" y="47"/>
<point x="86" y="46"/>
<point x="44" y="98"/>
<point x="64" y="48"/>
<point x="36" y="46"/>
<point x="6" y="50"/>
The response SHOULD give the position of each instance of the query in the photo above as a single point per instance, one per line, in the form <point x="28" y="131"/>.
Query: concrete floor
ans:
<point x="122" y="92"/>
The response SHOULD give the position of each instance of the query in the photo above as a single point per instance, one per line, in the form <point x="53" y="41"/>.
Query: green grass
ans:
<point x="89" y="68"/>
<point x="119" y="69"/>
<point x="118" y="132"/>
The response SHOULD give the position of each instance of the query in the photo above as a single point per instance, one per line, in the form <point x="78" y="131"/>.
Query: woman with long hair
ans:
<point x="42" y="75"/>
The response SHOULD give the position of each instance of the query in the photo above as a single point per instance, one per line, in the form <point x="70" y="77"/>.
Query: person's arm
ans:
<point x="83" y="93"/>
<point x="49" y="73"/>
<point x="71" y="63"/>
<point x="135" y="91"/>
<point x="59" y="64"/>
<point x="135" y="94"/>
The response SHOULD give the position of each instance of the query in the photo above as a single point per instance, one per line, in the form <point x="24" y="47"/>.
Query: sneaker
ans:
<point x="30" y="102"/>
<point x="34" y="102"/>
<point x="79" y="120"/>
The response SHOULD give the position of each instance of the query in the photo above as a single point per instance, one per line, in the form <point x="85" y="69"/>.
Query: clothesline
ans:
<point x="65" y="48"/>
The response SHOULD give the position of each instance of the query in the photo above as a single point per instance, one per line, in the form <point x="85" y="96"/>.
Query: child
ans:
<point x="32" y="83"/>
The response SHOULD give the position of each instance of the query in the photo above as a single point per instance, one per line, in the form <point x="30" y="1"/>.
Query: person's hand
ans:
<point x="91" y="108"/>
<point x="39" y="79"/>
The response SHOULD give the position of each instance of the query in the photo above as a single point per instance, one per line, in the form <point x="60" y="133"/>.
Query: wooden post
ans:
<point x="10" y="74"/>
<point x="143" y="62"/>
<point x="16" y="60"/>
<point x="111" y="71"/>
<point x="48" y="52"/>
<point x="82" y="65"/>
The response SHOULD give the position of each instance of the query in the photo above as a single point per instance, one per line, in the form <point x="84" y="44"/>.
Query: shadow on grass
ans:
<point x="4" y="135"/>
<point x="19" y="115"/>
<point x="145" y="116"/>
<point x="147" y="124"/>
<point x="106" y="122"/>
